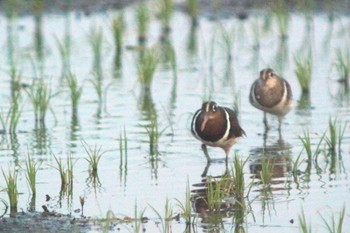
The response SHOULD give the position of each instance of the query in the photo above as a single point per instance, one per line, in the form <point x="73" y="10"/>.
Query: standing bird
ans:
<point x="271" y="94"/>
<point x="216" y="126"/>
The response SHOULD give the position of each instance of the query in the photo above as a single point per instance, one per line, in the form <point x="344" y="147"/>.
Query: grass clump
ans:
<point x="192" y="8"/>
<point x="147" y="66"/>
<point x="96" y="42"/>
<point x="303" y="72"/>
<point x="40" y="95"/>
<point x="143" y="19"/>
<point x="166" y="10"/>
<point x="280" y="11"/>
<point x="266" y="172"/>
<point x="75" y="91"/>
<point x="10" y="121"/>
<point x="66" y="173"/>
<point x="343" y="65"/>
<point x="336" y="134"/>
<point x="167" y="218"/>
<point x="32" y="168"/>
<point x="333" y="226"/>
<point x="118" y="28"/>
<point x="186" y="207"/>
<point x="303" y="226"/>
<point x="11" y="189"/>
<point x="94" y="156"/>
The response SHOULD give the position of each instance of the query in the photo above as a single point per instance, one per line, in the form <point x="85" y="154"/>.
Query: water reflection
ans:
<point x="217" y="201"/>
<point x="38" y="38"/>
<point x="41" y="141"/>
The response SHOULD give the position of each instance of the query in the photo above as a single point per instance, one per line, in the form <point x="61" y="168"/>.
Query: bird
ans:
<point x="216" y="126"/>
<point x="272" y="94"/>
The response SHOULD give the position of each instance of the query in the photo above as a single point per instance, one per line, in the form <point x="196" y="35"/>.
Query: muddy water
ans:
<point x="203" y="71"/>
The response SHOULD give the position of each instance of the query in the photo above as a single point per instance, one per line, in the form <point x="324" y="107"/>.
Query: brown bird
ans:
<point x="216" y="126"/>
<point x="271" y="94"/>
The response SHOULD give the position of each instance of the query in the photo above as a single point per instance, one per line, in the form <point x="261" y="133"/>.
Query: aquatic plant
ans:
<point x="10" y="121"/>
<point x="64" y="51"/>
<point x="66" y="173"/>
<point x="303" y="225"/>
<point x="303" y="72"/>
<point x="266" y="172"/>
<point x="138" y="217"/>
<point x="166" y="10"/>
<point x="167" y="218"/>
<point x="186" y="207"/>
<point x="146" y="67"/>
<point x="118" y="28"/>
<point x="153" y="136"/>
<point x="75" y="91"/>
<point x="123" y="152"/>
<point x="343" y="65"/>
<point x="281" y="14"/>
<point x="40" y="95"/>
<point x="227" y="41"/>
<point x="306" y="141"/>
<point x="97" y="83"/>
<point x="336" y="134"/>
<point x="94" y="154"/>
<point x="32" y="168"/>
<point x="96" y="42"/>
<point x="215" y="193"/>
<point x="143" y="19"/>
<point x="192" y="8"/>
<point x="332" y="226"/>
<point x="238" y="176"/>
<point x="11" y="189"/>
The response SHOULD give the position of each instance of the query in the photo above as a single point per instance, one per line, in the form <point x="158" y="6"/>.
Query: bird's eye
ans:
<point x="214" y="108"/>
<point x="271" y="74"/>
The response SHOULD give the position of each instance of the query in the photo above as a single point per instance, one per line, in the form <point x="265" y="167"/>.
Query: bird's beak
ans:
<point x="204" y="123"/>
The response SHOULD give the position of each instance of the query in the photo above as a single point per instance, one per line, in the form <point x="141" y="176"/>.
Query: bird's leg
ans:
<point x="265" y="122"/>
<point x="279" y="126"/>
<point x="205" y="171"/>
<point x="204" y="148"/>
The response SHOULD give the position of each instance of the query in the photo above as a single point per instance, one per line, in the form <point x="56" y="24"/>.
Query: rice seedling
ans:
<point x="266" y="172"/>
<point x="38" y="6"/>
<point x="343" y="65"/>
<point x="6" y="207"/>
<point x="143" y="19"/>
<point x="123" y="149"/>
<point x="336" y="134"/>
<point x="303" y="72"/>
<point x="154" y="135"/>
<point x="118" y="28"/>
<point x="11" y="9"/>
<point x="215" y="193"/>
<point x="32" y="168"/>
<point x="281" y="14"/>
<point x="333" y="226"/>
<point x="10" y="121"/>
<point x="227" y="41"/>
<point x="11" y="189"/>
<point x="66" y="173"/>
<point x="186" y="207"/>
<point x="306" y="141"/>
<point x="146" y="67"/>
<point x="75" y="91"/>
<point x="96" y="42"/>
<point x="192" y="8"/>
<point x="167" y="218"/>
<point x="94" y="154"/>
<point x="40" y="95"/>
<point x="238" y="176"/>
<point x="64" y="51"/>
<point x="138" y="218"/>
<point x="303" y="225"/>
<point x="166" y="10"/>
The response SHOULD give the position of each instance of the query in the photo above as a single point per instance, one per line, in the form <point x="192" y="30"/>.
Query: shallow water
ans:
<point x="181" y="159"/>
